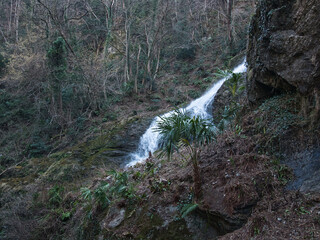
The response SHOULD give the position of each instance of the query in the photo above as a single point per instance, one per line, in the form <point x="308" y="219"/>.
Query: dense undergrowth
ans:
<point x="241" y="172"/>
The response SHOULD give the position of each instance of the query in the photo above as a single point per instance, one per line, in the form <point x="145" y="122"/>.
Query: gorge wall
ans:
<point x="284" y="49"/>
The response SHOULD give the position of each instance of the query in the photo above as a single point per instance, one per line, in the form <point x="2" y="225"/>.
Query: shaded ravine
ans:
<point x="149" y="141"/>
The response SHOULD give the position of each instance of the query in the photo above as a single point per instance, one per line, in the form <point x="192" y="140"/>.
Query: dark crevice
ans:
<point x="224" y="224"/>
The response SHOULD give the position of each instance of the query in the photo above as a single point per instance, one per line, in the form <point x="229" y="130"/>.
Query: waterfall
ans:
<point x="149" y="141"/>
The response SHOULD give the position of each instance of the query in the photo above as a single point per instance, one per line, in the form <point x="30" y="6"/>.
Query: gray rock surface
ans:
<point x="284" y="48"/>
<point x="118" y="219"/>
<point x="306" y="168"/>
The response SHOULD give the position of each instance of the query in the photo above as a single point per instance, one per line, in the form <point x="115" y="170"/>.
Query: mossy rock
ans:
<point x="109" y="150"/>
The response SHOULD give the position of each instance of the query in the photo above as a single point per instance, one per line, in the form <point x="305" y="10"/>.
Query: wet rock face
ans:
<point x="127" y="141"/>
<point x="284" y="48"/>
<point x="306" y="168"/>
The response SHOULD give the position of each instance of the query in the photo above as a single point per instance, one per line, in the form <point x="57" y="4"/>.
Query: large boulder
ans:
<point x="284" y="48"/>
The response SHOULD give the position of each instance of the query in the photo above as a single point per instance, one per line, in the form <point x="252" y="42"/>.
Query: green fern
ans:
<point x="188" y="208"/>
<point x="86" y="193"/>
<point x="55" y="198"/>
<point x="223" y="73"/>
<point x="100" y="194"/>
<point x="233" y="84"/>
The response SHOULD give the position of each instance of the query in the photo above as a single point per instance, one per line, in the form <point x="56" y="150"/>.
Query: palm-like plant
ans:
<point x="179" y="130"/>
<point x="233" y="84"/>
<point x="233" y="80"/>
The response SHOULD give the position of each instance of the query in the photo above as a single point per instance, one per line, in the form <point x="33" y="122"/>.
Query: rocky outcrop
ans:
<point x="284" y="48"/>
<point x="306" y="168"/>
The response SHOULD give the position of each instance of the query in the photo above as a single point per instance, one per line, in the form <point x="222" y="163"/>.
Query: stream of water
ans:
<point x="149" y="141"/>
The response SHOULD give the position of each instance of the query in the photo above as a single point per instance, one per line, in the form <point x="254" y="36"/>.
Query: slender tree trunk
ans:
<point x="127" y="45"/>
<point x="229" y="23"/>
<point x="4" y="37"/>
<point x="137" y="71"/>
<point x="206" y="13"/>
<point x="218" y="30"/>
<point x="149" y="49"/>
<point x="10" y="17"/>
<point x="196" y="176"/>
<point x="17" y="15"/>
<point x="67" y="12"/>
<point x="127" y="66"/>
<point x="176" y="9"/>
<point x="109" y="24"/>
<point x="156" y="71"/>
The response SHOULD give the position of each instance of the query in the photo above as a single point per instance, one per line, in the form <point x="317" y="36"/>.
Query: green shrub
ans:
<point x="55" y="198"/>
<point x="3" y="64"/>
<point x="194" y="94"/>
<point x="153" y="108"/>
<point x="107" y="193"/>
<point x="65" y="216"/>
<point x="279" y="113"/>
<point x="37" y="148"/>
<point x="14" y="108"/>
<point x="100" y="194"/>
<point x="109" y="116"/>
<point x="127" y="88"/>
<point x="228" y="115"/>
<point x="233" y="84"/>
<point x="187" y="68"/>
<point x="186" y="53"/>
<point x="56" y="55"/>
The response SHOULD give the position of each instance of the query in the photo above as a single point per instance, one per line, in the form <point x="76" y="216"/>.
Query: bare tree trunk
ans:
<point x="149" y="46"/>
<point x="109" y="22"/>
<point x="104" y="85"/>
<point x="4" y="37"/>
<point x="10" y="17"/>
<point x="67" y="12"/>
<point x="176" y="9"/>
<point x="137" y="71"/>
<point x="196" y="176"/>
<point x="17" y="13"/>
<point x="154" y="76"/>
<point x="229" y="23"/>
<point x="218" y="22"/>
<point x="205" y="12"/>
<point x="127" y="65"/>
<point x="127" y="44"/>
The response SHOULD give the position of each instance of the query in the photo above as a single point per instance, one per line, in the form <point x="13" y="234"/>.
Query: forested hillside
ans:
<point x="68" y="65"/>
<point x="232" y="148"/>
<point x="80" y="81"/>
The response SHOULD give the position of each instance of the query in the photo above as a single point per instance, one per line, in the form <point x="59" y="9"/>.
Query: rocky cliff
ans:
<point x="284" y="49"/>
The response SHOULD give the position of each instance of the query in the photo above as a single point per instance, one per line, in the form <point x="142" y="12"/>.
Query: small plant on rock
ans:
<point x="186" y="206"/>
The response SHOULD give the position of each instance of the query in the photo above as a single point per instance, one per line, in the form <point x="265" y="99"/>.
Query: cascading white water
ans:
<point x="149" y="141"/>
